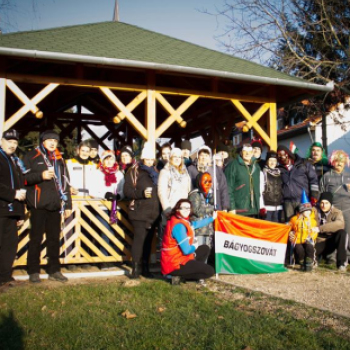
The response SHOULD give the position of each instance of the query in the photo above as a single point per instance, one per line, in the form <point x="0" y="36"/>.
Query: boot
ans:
<point x="308" y="264"/>
<point x="136" y="270"/>
<point x="145" y="271"/>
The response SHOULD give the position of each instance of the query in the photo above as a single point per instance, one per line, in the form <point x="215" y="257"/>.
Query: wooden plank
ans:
<point x="2" y="104"/>
<point x="25" y="109"/>
<point x="130" y="117"/>
<point x="175" y="115"/>
<point x="133" y="104"/>
<point x="272" y="125"/>
<point x="151" y="119"/>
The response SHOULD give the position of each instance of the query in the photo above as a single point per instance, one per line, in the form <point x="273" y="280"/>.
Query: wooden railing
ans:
<point x="81" y="236"/>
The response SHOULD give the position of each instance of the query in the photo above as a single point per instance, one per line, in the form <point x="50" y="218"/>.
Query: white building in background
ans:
<point x="303" y="134"/>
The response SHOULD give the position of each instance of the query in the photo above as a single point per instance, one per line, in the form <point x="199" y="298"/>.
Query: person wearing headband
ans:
<point x="243" y="181"/>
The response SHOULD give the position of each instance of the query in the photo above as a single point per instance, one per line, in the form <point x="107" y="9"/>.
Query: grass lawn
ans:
<point x="89" y="316"/>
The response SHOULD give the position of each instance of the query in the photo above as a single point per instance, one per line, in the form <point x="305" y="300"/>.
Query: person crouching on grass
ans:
<point x="304" y="233"/>
<point x="180" y="257"/>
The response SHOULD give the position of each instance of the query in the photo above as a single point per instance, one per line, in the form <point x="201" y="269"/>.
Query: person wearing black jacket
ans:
<point x="48" y="196"/>
<point x="12" y="198"/>
<point x="141" y="188"/>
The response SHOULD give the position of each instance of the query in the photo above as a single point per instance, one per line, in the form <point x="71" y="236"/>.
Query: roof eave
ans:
<point x="105" y="61"/>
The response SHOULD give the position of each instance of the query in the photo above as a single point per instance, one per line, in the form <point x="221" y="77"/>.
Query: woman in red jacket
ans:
<point x="179" y="256"/>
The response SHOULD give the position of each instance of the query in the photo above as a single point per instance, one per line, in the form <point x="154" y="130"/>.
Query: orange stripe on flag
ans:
<point x="253" y="228"/>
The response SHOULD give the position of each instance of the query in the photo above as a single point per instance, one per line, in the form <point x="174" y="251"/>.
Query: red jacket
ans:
<point x="172" y="256"/>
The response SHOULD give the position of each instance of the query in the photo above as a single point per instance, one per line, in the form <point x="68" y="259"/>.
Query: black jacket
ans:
<point x="301" y="176"/>
<point x="7" y="192"/>
<point x="43" y="194"/>
<point x="145" y="209"/>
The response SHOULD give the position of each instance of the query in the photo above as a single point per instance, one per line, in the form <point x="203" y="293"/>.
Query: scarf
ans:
<point x="273" y="172"/>
<point x="152" y="172"/>
<point x="82" y="161"/>
<point x="125" y="167"/>
<point x="110" y="174"/>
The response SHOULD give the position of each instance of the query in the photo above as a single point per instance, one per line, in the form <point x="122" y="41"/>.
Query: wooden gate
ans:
<point x="83" y="235"/>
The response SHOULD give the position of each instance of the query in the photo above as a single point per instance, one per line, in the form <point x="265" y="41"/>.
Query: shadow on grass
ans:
<point x="11" y="334"/>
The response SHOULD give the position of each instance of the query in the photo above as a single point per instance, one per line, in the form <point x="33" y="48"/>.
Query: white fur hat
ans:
<point x="148" y="152"/>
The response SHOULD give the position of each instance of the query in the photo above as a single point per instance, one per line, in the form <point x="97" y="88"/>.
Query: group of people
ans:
<point x="175" y="196"/>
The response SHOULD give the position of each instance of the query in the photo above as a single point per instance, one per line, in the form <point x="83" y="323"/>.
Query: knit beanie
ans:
<point x="222" y="148"/>
<point x="271" y="154"/>
<point x="147" y="152"/>
<point x="93" y="144"/>
<point x="257" y="143"/>
<point x="107" y="153"/>
<point x="185" y="144"/>
<point x="48" y="135"/>
<point x="204" y="148"/>
<point x="328" y="196"/>
<point x="127" y="149"/>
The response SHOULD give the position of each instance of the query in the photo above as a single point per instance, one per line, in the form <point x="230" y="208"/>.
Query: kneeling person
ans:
<point x="332" y="235"/>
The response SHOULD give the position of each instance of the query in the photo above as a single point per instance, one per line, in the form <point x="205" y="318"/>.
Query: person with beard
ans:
<point x="337" y="181"/>
<point x="297" y="174"/>
<point x="332" y="236"/>
<point x="12" y="197"/>
<point x="48" y="197"/>
<point x="93" y="156"/>
<point x="272" y="189"/>
<point x="81" y="170"/>
<point x="140" y="187"/>
<point x="180" y="256"/>
<point x="126" y="159"/>
<point x="318" y="158"/>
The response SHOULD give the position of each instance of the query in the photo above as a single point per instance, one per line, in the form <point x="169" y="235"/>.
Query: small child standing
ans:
<point x="304" y="233"/>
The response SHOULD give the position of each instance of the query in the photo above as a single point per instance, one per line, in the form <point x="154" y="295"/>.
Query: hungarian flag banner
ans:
<point x="249" y="246"/>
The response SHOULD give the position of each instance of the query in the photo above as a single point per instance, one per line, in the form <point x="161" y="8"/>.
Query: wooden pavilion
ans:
<point x="137" y="83"/>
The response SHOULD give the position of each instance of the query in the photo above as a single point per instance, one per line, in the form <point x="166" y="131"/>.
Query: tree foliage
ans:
<point x="304" y="38"/>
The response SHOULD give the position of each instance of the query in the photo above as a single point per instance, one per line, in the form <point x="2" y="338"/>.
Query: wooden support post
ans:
<point x="151" y="118"/>
<point x="2" y="104"/>
<point x="273" y="120"/>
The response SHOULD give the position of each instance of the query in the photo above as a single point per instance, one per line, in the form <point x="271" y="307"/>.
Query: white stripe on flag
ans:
<point x="249" y="248"/>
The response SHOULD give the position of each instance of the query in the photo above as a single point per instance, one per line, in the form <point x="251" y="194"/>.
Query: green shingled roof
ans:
<point x="116" y="40"/>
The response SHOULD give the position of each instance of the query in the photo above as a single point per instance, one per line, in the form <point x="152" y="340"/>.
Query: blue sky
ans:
<point x="181" y="19"/>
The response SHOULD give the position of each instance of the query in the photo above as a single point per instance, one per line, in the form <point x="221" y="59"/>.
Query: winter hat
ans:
<point x="93" y="144"/>
<point x="257" y="143"/>
<point x="285" y="149"/>
<point x="222" y="148"/>
<point x="304" y="203"/>
<point x="175" y="152"/>
<point x="127" y="149"/>
<point x="49" y="134"/>
<point x="107" y="153"/>
<point x="147" y="152"/>
<point x="204" y="148"/>
<point x="186" y="144"/>
<point x="328" y="196"/>
<point x="271" y="154"/>
<point x="11" y="134"/>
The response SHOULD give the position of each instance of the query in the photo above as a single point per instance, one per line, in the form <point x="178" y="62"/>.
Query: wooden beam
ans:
<point x="2" y="104"/>
<point x="272" y="125"/>
<point x="175" y="115"/>
<point x="136" y="88"/>
<point x="133" y="104"/>
<point x="130" y="117"/>
<point x="26" y="108"/>
<point x="253" y="121"/>
<point x="151" y="118"/>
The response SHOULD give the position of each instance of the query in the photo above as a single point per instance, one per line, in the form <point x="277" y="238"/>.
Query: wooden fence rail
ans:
<point x="83" y="235"/>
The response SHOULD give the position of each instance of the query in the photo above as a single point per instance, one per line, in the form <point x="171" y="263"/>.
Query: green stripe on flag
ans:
<point x="225" y="263"/>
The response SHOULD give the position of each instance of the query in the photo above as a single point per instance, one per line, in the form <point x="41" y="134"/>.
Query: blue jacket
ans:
<point x="301" y="176"/>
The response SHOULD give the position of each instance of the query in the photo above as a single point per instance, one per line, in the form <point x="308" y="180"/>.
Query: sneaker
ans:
<point x="175" y="280"/>
<point x="202" y="283"/>
<point x="57" y="276"/>
<point x="342" y="268"/>
<point x="34" y="278"/>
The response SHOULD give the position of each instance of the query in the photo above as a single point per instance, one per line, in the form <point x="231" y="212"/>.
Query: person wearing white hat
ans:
<point x="174" y="183"/>
<point x="141" y="189"/>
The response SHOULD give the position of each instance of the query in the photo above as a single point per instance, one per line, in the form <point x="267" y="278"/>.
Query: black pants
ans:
<point x="142" y="243"/>
<point x="49" y="222"/>
<point x="196" y="269"/>
<point x="335" y="241"/>
<point x="302" y="251"/>
<point x="8" y="247"/>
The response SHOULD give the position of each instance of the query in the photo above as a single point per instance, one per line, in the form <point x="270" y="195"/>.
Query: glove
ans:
<point x="110" y="196"/>
<point x="262" y="212"/>
<point x="313" y="201"/>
